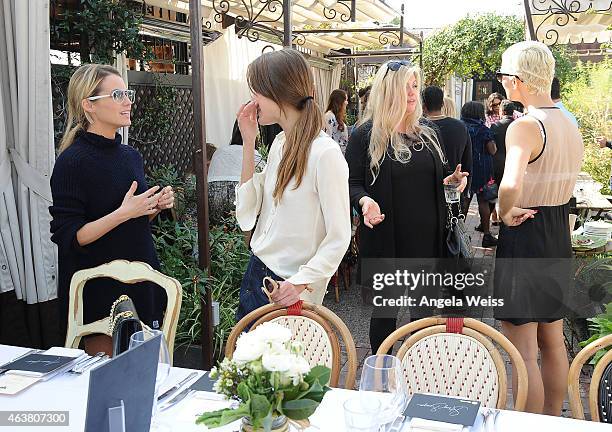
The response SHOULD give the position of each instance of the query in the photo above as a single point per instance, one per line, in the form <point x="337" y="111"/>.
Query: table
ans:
<point x="69" y="393"/>
<point x="588" y="197"/>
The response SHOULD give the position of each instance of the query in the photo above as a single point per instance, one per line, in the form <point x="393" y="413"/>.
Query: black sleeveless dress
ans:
<point x="532" y="271"/>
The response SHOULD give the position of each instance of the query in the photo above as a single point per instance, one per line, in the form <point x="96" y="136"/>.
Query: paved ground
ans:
<point x="352" y="310"/>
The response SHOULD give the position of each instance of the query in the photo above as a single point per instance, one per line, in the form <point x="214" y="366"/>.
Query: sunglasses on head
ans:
<point x="500" y="75"/>
<point x="396" y="65"/>
<point x="117" y="95"/>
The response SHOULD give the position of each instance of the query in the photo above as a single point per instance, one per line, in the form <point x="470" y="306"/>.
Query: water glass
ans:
<point x="383" y="374"/>
<point x="163" y="368"/>
<point x="361" y="413"/>
<point x="451" y="193"/>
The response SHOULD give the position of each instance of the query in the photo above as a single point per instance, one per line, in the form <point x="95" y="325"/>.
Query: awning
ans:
<point x="332" y="18"/>
<point x="571" y="22"/>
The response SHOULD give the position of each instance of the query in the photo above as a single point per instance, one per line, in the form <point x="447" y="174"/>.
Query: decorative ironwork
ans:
<point x="389" y="37"/>
<point x="559" y="13"/>
<point x="255" y="22"/>
<point x="299" y="39"/>
<point x="345" y="10"/>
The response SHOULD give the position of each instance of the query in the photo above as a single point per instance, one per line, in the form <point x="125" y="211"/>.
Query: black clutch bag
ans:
<point x="124" y="323"/>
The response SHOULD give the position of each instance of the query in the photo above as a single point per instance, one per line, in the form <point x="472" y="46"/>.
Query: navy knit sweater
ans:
<point x="89" y="181"/>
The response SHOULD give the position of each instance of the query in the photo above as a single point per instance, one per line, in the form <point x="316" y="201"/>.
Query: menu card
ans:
<point x="443" y="409"/>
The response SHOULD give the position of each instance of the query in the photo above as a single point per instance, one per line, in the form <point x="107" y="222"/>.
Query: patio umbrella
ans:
<point x="27" y="132"/>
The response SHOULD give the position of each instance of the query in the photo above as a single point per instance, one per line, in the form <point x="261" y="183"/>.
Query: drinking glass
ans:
<point x="451" y="193"/>
<point x="163" y="369"/>
<point x="383" y="375"/>
<point x="361" y="413"/>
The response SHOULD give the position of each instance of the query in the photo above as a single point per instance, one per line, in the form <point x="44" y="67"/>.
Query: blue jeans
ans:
<point x="251" y="295"/>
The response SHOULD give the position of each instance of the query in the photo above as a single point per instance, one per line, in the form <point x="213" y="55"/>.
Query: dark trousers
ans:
<point x="251" y="295"/>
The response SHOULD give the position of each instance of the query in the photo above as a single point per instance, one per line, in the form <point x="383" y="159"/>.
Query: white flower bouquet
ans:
<point x="270" y="378"/>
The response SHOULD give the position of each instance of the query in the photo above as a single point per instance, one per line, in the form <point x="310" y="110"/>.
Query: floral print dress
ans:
<point x="331" y="128"/>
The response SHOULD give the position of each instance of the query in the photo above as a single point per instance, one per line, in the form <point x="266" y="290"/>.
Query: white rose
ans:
<point x="270" y="332"/>
<point x="299" y="368"/>
<point x="248" y="348"/>
<point x="276" y="361"/>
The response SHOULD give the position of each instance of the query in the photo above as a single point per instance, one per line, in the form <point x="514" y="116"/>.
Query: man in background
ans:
<point x="555" y="94"/>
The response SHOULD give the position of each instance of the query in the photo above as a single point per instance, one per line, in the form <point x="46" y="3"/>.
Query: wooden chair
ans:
<point x="127" y="272"/>
<point x="316" y="327"/>
<point x="573" y="381"/>
<point x="457" y="357"/>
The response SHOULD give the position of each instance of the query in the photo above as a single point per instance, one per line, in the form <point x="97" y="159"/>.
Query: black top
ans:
<point x="456" y="141"/>
<point x="410" y="195"/>
<point x="500" y="128"/>
<point x="89" y="181"/>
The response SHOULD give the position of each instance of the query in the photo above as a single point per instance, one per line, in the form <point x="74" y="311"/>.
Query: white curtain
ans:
<point x="327" y="80"/>
<point x="26" y="130"/>
<point x="225" y="86"/>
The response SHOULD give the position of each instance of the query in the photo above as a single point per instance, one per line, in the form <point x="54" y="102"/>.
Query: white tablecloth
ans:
<point x="69" y="393"/>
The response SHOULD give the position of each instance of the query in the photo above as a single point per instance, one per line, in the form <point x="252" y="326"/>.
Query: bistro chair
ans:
<point x="600" y="389"/>
<point x="316" y="327"/>
<point x="128" y="272"/>
<point x="457" y="357"/>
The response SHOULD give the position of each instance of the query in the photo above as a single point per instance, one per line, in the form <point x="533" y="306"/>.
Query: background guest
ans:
<point x="555" y="94"/>
<point x="483" y="147"/>
<point x="455" y="138"/>
<point x="492" y="113"/>
<point x="335" y="118"/>
<point x="499" y="129"/>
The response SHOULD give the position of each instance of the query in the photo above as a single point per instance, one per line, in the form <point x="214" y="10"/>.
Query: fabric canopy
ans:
<point x="27" y="256"/>
<point x="571" y="22"/>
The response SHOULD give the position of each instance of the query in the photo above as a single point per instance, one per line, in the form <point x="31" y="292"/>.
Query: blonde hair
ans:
<point x="285" y="77"/>
<point x="533" y="63"/>
<point x="387" y="109"/>
<point x="85" y="82"/>
<point x="449" y="109"/>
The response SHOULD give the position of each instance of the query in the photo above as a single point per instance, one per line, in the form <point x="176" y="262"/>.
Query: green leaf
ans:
<point x="260" y="409"/>
<point x="322" y="374"/>
<point x="299" y="409"/>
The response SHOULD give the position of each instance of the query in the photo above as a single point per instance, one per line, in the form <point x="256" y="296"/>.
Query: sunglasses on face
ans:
<point x="117" y="95"/>
<point x="500" y="76"/>
<point x="396" y="65"/>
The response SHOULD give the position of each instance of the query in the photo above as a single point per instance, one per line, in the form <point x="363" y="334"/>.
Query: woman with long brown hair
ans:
<point x="102" y="204"/>
<point x="335" y="118"/>
<point x="298" y="206"/>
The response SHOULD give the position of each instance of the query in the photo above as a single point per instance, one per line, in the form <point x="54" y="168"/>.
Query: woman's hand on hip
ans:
<point x="287" y="294"/>
<point x="517" y="216"/>
<point x="166" y="199"/>
<point x="134" y="206"/>
<point x="247" y="123"/>
<point x="458" y="177"/>
<point x="371" y="212"/>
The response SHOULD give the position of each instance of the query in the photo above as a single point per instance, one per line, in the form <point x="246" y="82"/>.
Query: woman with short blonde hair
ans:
<point x="396" y="176"/>
<point x="544" y="152"/>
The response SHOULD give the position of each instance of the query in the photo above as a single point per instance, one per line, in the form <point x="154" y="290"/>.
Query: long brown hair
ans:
<point x="85" y="82"/>
<point x="336" y="106"/>
<point x="285" y="77"/>
<point x="489" y="103"/>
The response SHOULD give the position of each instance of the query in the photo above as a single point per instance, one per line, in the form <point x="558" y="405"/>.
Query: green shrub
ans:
<point x="589" y="97"/>
<point x="177" y="247"/>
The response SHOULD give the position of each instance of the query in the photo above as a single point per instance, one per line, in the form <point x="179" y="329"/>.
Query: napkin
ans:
<point x="418" y="425"/>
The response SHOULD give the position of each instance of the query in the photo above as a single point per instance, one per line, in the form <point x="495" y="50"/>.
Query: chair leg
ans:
<point x="346" y="271"/>
<point x="336" y="286"/>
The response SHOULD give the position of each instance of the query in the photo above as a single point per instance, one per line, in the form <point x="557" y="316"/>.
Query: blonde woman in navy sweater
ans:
<point x="102" y="205"/>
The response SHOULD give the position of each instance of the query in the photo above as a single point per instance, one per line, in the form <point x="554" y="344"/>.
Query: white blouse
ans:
<point x="304" y="237"/>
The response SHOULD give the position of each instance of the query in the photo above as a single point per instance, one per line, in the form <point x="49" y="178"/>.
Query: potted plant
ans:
<point x="271" y="381"/>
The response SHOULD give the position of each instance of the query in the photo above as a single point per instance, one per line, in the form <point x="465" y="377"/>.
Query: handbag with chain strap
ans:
<point x="124" y="322"/>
